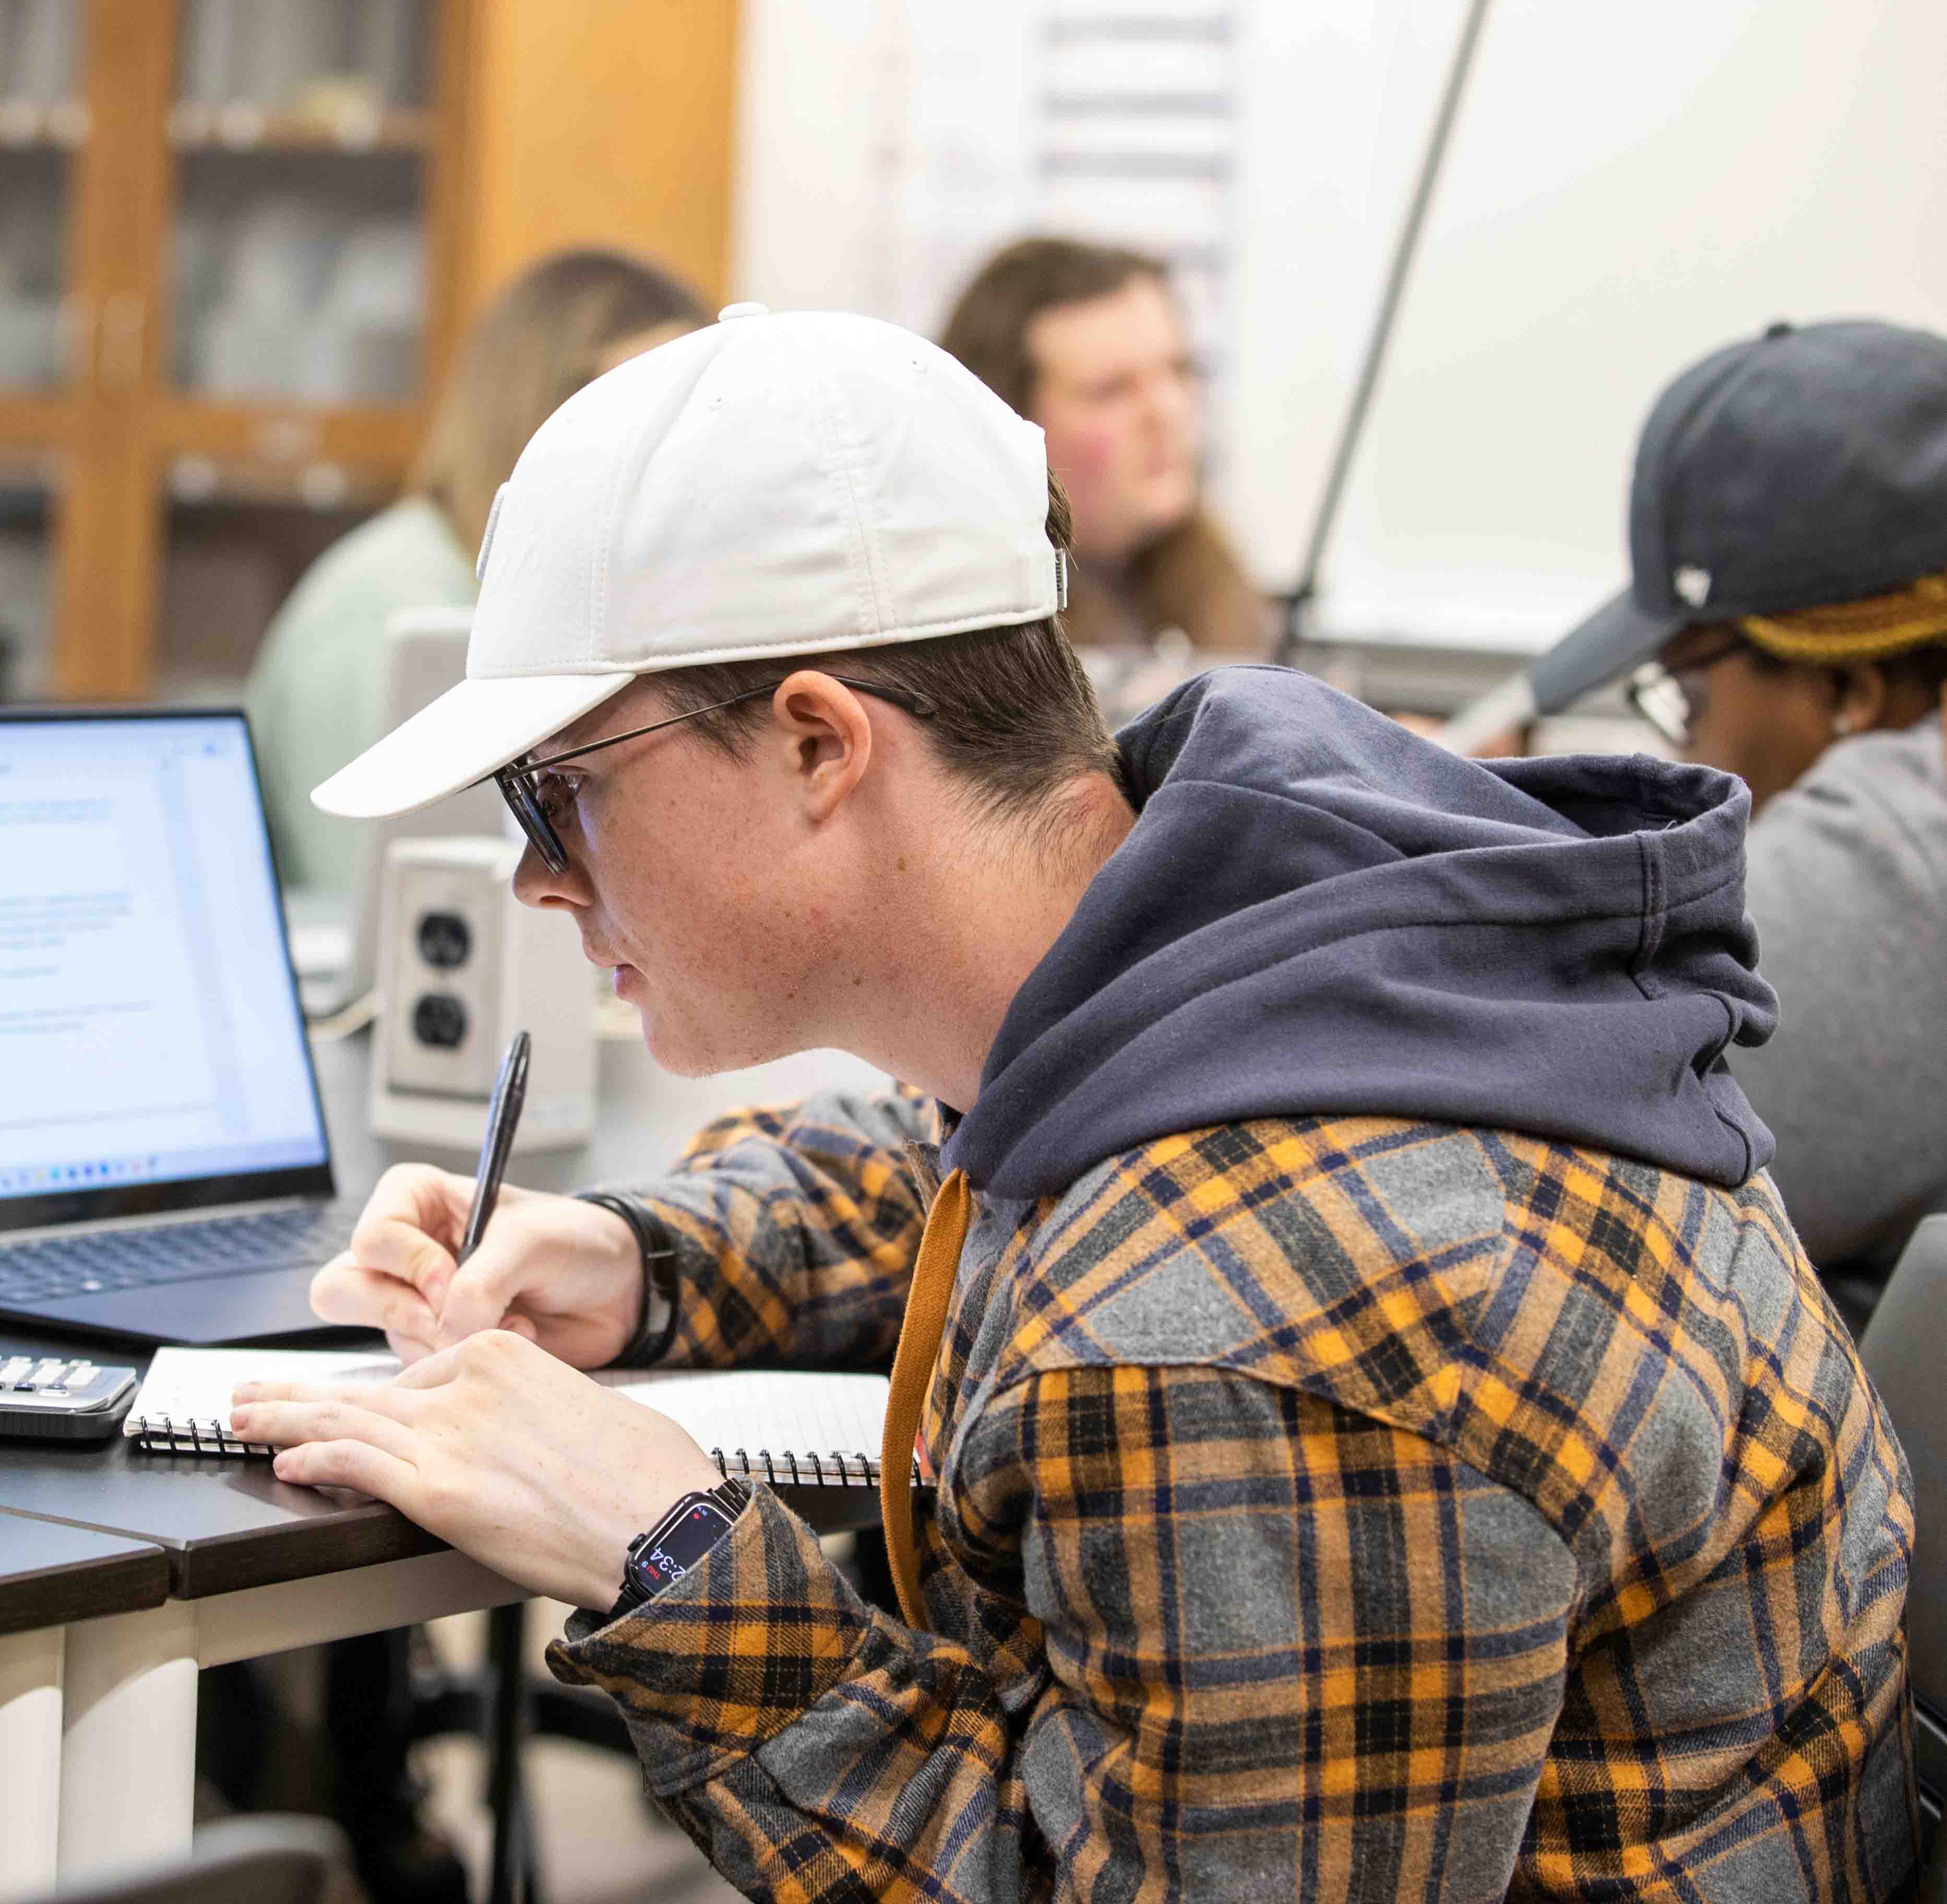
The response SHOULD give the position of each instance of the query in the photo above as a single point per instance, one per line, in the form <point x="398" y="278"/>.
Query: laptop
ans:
<point x="165" y="1174"/>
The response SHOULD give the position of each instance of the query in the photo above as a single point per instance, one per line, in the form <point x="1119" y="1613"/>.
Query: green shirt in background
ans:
<point x="314" y="691"/>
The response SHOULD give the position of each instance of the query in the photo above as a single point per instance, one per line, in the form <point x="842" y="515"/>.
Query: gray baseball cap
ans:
<point x="1805" y="467"/>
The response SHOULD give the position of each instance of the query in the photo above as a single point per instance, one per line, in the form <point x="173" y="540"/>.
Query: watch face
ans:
<point x="683" y="1537"/>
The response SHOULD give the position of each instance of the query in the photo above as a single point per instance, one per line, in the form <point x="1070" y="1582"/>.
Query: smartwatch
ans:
<point x="677" y="1542"/>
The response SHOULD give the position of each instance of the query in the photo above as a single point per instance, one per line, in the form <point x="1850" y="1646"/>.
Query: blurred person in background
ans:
<point x="1787" y="621"/>
<point x="1088" y="341"/>
<point x="314" y="691"/>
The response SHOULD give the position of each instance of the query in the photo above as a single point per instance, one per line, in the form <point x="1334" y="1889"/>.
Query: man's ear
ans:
<point x="1860" y="698"/>
<point x="824" y="739"/>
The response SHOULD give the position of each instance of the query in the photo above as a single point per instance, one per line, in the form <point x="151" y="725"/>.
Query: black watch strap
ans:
<point x="678" y="1542"/>
<point x="655" y="1327"/>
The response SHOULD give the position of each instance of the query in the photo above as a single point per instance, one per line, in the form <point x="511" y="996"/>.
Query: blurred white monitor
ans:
<point x="424" y="654"/>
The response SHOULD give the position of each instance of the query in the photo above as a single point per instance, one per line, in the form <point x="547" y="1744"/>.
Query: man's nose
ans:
<point x="535" y="884"/>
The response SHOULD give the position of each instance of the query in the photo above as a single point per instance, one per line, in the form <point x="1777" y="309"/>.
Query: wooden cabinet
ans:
<point x="239" y="240"/>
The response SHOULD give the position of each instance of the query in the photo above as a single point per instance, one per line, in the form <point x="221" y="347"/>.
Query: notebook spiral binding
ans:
<point x="164" y="1435"/>
<point x="833" y="1470"/>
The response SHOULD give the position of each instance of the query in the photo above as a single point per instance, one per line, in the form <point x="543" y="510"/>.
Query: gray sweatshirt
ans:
<point x="1847" y="883"/>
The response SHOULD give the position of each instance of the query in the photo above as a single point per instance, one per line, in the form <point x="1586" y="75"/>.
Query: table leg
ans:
<point x="30" y="1752"/>
<point x="507" y="1882"/>
<point x="128" y="1758"/>
<point x="126" y="1710"/>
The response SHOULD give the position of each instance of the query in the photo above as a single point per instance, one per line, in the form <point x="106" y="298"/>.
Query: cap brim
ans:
<point x="1620" y="636"/>
<point x="463" y="737"/>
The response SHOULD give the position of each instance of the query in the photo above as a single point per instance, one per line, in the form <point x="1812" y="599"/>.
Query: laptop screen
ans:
<point x="151" y="1046"/>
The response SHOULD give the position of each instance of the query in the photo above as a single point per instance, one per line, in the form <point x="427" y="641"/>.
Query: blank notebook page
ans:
<point x="786" y="1425"/>
<point x="194" y="1385"/>
<point x="783" y="1414"/>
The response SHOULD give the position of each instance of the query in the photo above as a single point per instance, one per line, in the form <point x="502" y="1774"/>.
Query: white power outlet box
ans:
<point x="462" y="966"/>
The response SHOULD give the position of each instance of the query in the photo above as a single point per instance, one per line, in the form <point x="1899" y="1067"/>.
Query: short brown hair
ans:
<point x="988" y="329"/>
<point x="1016" y="718"/>
<point x="540" y="340"/>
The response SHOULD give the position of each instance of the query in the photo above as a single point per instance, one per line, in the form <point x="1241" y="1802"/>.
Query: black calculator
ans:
<point x="62" y="1398"/>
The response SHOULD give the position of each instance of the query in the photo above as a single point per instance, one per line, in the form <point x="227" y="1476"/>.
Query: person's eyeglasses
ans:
<point x="538" y="797"/>
<point x="1666" y="697"/>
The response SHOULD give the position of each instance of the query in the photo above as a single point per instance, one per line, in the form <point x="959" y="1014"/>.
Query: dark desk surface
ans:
<point x="222" y="1524"/>
<point x="229" y="1524"/>
<point x="49" y="1574"/>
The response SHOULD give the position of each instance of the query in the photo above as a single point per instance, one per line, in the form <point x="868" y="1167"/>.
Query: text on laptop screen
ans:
<point x="148" y="1030"/>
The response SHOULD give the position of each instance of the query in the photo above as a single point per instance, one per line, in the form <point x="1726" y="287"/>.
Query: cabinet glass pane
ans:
<point x="297" y="262"/>
<point x="239" y="535"/>
<point x="24" y="582"/>
<point x="299" y="275"/>
<point x="40" y="119"/>
<point x="326" y="60"/>
<point x="40" y="53"/>
<point x="33" y="204"/>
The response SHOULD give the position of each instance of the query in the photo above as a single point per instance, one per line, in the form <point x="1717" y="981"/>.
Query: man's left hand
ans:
<point x="501" y="1450"/>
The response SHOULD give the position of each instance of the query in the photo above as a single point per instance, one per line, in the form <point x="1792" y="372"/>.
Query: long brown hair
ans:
<point x="539" y="341"/>
<point x="1188" y="578"/>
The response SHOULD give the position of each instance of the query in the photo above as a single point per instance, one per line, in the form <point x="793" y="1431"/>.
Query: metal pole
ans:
<point x="1291" y="636"/>
<point x="511" y="1873"/>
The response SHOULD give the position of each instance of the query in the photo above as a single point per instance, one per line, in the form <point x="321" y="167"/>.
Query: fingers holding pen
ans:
<point x="345" y="1291"/>
<point x="405" y="1231"/>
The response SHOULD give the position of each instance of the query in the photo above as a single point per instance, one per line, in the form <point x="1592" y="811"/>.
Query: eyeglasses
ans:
<point x="1665" y="697"/>
<point x="538" y="797"/>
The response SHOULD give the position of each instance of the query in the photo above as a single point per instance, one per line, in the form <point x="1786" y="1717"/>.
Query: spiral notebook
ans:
<point x="782" y="1426"/>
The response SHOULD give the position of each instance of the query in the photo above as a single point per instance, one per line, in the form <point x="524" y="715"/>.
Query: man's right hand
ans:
<point x="564" y="1273"/>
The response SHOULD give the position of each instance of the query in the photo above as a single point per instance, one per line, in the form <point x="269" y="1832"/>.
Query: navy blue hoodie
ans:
<point x="1317" y="912"/>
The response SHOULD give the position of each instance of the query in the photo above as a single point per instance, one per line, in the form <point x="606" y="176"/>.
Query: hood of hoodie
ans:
<point x="1317" y="913"/>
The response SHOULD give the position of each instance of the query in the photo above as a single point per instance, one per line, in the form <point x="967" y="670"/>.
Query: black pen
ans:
<point x="510" y="1090"/>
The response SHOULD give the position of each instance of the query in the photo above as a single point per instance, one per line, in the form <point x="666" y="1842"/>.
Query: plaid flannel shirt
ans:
<point x="1331" y="1508"/>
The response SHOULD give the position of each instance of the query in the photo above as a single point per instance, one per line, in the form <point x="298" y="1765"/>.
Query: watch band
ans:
<point x="655" y="1328"/>
<point x="678" y="1542"/>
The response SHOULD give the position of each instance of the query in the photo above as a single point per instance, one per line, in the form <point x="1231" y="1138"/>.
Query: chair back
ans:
<point x="263" y="1859"/>
<point x="1904" y="1350"/>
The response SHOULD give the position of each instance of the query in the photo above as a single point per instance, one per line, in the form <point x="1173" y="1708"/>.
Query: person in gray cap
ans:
<point x="1786" y="620"/>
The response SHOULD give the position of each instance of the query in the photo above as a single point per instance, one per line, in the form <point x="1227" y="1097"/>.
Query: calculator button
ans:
<point x="17" y="1368"/>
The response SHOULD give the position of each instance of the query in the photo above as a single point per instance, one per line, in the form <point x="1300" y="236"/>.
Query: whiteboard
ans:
<point x="1627" y="187"/>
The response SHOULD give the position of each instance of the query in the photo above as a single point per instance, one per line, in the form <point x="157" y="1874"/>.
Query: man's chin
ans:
<point x="669" y="1054"/>
<point x="679" y="1063"/>
<point x="701" y="1057"/>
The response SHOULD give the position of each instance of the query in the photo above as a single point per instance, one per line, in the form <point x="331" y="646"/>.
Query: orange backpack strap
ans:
<point x="931" y="1296"/>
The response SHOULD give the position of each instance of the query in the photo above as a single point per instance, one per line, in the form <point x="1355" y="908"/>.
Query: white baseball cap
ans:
<point x="772" y="485"/>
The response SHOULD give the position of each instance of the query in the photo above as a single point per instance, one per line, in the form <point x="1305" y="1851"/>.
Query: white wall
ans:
<point x="1627" y="187"/>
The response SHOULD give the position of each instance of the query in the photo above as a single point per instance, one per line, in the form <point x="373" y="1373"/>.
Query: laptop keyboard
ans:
<point x="51" y="1266"/>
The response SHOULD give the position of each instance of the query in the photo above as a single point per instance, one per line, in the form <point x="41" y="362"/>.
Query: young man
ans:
<point x="1088" y="342"/>
<point x="1787" y="616"/>
<point x="1387" y="1441"/>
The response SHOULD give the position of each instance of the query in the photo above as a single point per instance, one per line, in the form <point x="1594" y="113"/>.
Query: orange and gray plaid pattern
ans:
<point x="1342" y="1508"/>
